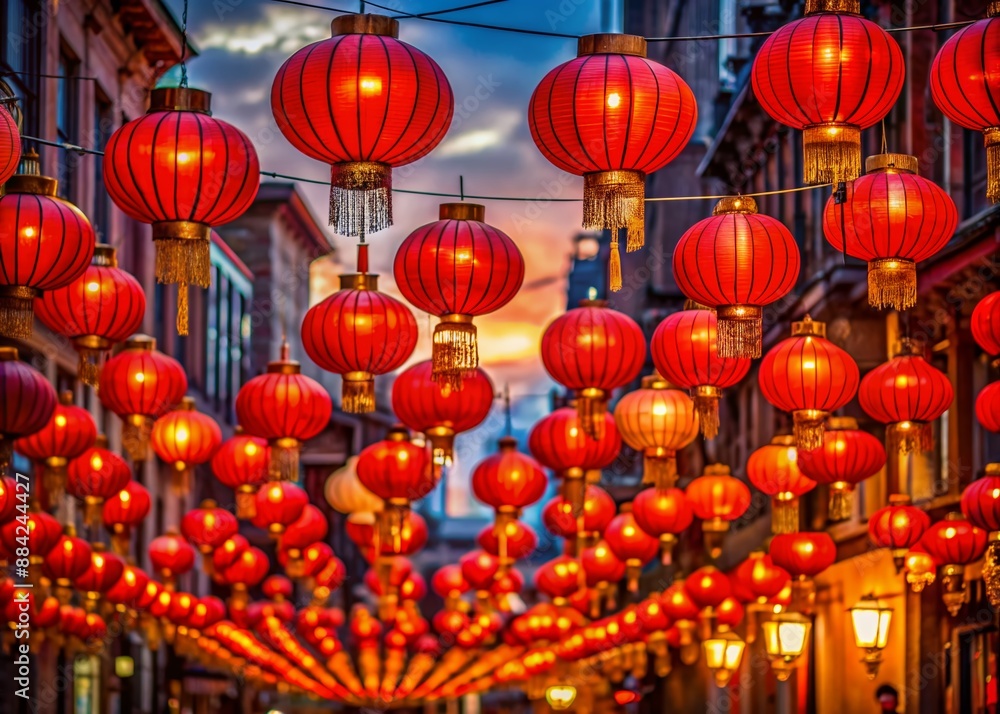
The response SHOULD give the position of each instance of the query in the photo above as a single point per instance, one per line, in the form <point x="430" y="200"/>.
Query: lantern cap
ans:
<point x="892" y="163"/>
<point x="808" y="327"/>
<point x="783" y="440"/>
<point x="208" y="504"/>
<point x="66" y="397"/>
<point x="695" y="305"/>
<point x="843" y="6"/>
<point x="284" y="364"/>
<point x="365" y="24"/>
<point x="625" y="507"/>
<point x="910" y="348"/>
<point x="716" y="470"/>
<point x="8" y="354"/>
<point x="842" y="423"/>
<point x="101" y="442"/>
<point x="98" y="547"/>
<point x="899" y="499"/>
<point x="992" y="469"/>
<point x="462" y="212"/>
<point x="29" y="178"/>
<point x="655" y="381"/>
<point x="398" y="433"/>
<point x="607" y="43"/>
<point x="507" y="443"/>
<point x="735" y="204"/>
<point x="359" y="281"/>
<point x="141" y="342"/>
<point x="180" y="99"/>
<point x="186" y="405"/>
<point x="954" y="516"/>
<point x="105" y="256"/>
<point x="593" y="302"/>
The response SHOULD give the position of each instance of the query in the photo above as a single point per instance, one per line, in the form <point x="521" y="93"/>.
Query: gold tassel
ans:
<point x="284" y="463"/>
<point x="92" y="511"/>
<point x="633" y="569"/>
<point x="574" y="490"/>
<point x="54" y="480"/>
<point x="360" y="197"/>
<point x="660" y="470"/>
<point x="615" y="267"/>
<point x="16" y="315"/>
<point x="993" y="164"/>
<point x="455" y="350"/>
<point x="740" y="331"/>
<point x="841" y="504"/>
<point x="358" y="393"/>
<point x="184" y="261"/>
<point x="706" y="405"/>
<point x="180" y="481"/>
<point x="910" y="437"/>
<point x="616" y="199"/>
<point x="591" y="408"/>
<point x="808" y="428"/>
<point x="135" y="436"/>
<point x="831" y="153"/>
<point x="88" y="366"/>
<point x="892" y="282"/>
<point x="121" y="543"/>
<point x="246" y="503"/>
<point x="182" y="309"/>
<point x="784" y="515"/>
<point x="667" y="543"/>
<point x="991" y="572"/>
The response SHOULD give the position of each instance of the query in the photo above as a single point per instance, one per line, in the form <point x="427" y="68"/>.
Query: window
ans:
<point x="22" y="23"/>
<point x="68" y="121"/>
<point x="104" y="120"/>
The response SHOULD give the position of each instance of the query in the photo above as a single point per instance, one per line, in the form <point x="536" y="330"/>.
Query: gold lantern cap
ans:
<point x="180" y="99"/>
<point x="365" y="24"/>
<point x="892" y="163"/>
<point x="808" y="327"/>
<point x="735" y="204"/>
<point x="606" y="43"/>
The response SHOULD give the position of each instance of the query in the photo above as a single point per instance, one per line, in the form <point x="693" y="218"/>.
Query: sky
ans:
<point x="241" y="45"/>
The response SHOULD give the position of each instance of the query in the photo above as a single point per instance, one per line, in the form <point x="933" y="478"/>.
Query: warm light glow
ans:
<point x="786" y="636"/>
<point x="370" y="86"/>
<point x="93" y="287"/>
<point x="181" y="435"/>
<point x="60" y="420"/>
<point x="250" y="449"/>
<point x="96" y="462"/>
<point x="723" y="655"/>
<point x="140" y="377"/>
<point x="614" y="100"/>
<point x="560" y="696"/>
<point x="871" y="622"/>
<point x="28" y="232"/>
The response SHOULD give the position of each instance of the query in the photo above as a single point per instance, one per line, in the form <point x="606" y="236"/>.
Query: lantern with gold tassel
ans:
<point x="185" y="438"/>
<point x="96" y="476"/>
<point x="124" y="511"/>
<point x="69" y="433"/>
<point x="774" y="470"/>
<point x="847" y="457"/>
<point x="631" y="544"/>
<point x="981" y="505"/>
<point x="241" y="463"/>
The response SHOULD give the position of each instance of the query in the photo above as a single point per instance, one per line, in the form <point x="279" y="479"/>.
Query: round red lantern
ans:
<point x="185" y="438"/>
<point x="358" y="333"/>
<point x="892" y="219"/>
<point x="717" y="499"/>
<point x="598" y="510"/>
<point x="954" y="543"/>
<point x="457" y="269"/>
<point x="762" y="578"/>
<point x="241" y="463"/>
<point x="70" y="431"/>
<point x="44" y="532"/>
<point x="45" y="243"/>
<point x="774" y="470"/>
<point x="899" y="526"/>
<point x="479" y="569"/>
<point x="27" y="403"/>
<point x="279" y="505"/>
<point x="803" y="555"/>
<point x="829" y="74"/>
<point x="249" y="568"/>
<point x="986" y="324"/>
<point x="517" y="537"/>
<point x="559" y="578"/>
<point x="140" y="384"/>
<point x="907" y="394"/>
<point x="399" y="472"/>
<point x="96" y="476"/>
<point x="965" y="86"/>
<point x="171" y="555"/>
<point x="130" y="589"/>
<point x="810" y="377"/>
<point x="988" y="407"/>
<point x="229" y="552"/>
<point x="981" y="500"/>
<point x="593" y="350"/>
<point x="685" y="351"/>
<point x="208" y="526"/>
<point x="602" y="570"/>
<point x="663" y="514"/>
<point x="68" y="559"/>
<point x="103" y="573"/>
<point x="183" y="171"/>
<point x="707" y="587"/>
<point x="848" y="457"/>
<point x="612" y="116"/>
<point x="97" y="310"/>
<point x="309" y="527"/>
<point x="736" y="262"/>
<point x="123" y="512"/>
<point x="631" y="544"/>
<point x="449" y="583"/>
<point x="508" y="481"/>
<point x="437" y="409"/>
<point x="285" y="407"/>
<point x="363" y="102"/>
<point x="658" y="422"/>
<point x="10" y="139"/>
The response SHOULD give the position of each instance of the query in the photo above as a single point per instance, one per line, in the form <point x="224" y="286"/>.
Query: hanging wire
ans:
<point x="184" y="45"/>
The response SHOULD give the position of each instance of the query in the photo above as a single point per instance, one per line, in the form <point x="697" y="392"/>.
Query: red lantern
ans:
<point x="736" y="262"/>
<point x="829" y="74"/>
<point x="241" y="463"/>
<point x="986" y="324"/>
<point x="479" y="569"/>
<point x="612" y="116"/>
<point x="598" y="510"/>
<point x="130" y="589"/>
<point x="677" y="604"/>
<point x="803" y="555"/>
<point x="518" y="538"/>
<point x="892" y="219"/>
<point x="96" y="476"/>
<point x="206" y="612"/>
<point x="103" y="573"/>
<point x="988" y="407"/>
<point x="810" y="377"/>
<point x="229" y="552"/>
<point x="707" y="587"/>
<point x="449" y="583"/>
<point x="208" y="526"/>
<point x="906" y="393"/>
<point x="685" y="351"/>
<point x="8" y="498"/>
<point x="27" y="402"/>
<point x="249" y="568"/>
<point x="981" y="500"/>
<point x="123" y="512"/>
<point x="559" y="578"/>
<point x="774" y="470"/>
<point x="508" y="481"/>
<point x="10" y="142"/>
<point x="171" y="555"/>
<point x="141" y="384"/>
<point x="602" y="570"/>
<point x="593" y="350"/>
<point x="183" y="171"/>
<point x="899" y="526"/>
<point x="309" y="527"/>
<point x="954" y="543"/>
<point x="44" y="532"/>
<point x="964" y="86"/>
<point x="717" y="499"/>
<point x="437" y="409"/>
<point x="848" y="457"/>
<point x="68" y="559"/>
<point x="457" y="269"/>
<point x="762" y="578"/>
<point x="285" y="407"/>
<point x="99" y="309"/>
<point x="69" y="433"/>
<point x="279" y="505"/>
<point x="663" y="514"/>
<point x="185" y="438"/>
<point x="358" y="333"/>
<point x="658" y="422"/>
<point x="363" y="102"/>
<point x="631" y="544"/>
<point x="45" y="243"/>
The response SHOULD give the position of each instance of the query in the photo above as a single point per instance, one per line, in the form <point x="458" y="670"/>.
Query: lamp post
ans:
<point x="871" y="619"/>
<point x="723" y="654"/>
<point x="785" y="639"/>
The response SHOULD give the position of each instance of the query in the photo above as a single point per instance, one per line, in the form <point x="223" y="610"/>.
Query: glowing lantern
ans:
<point x="171" y="555"/>
<point x="954" y="543"/>
<point x="899" y="526"/>
<point x="559" y="578"/>
<point x="762" y="578"/>
<point x="96" y="476"/>
<point x="985" y="324"/>
<point x="68" y="559"/>
<point x="44" y="532"/>
<point x="26" y="405"/>
<point x="10" y="138"/>
<point x="988" y="407"/>
<point x="786" y="637"/>
<point x="241" y="463"/>
<point x="249" y="568"/>
<point x="663" y="514"/>
<point x="279" y="505"/>
<point x="804" y="556"/>
<point x="520" y="541"/>
<point x="208" y="527"/>
<point x="123" y="512"/>
<point x="707" y="587"/>
<point x="185" y="438"/>
<point x="774" y="470"/>
<point x="103" y="573"/>
<point x="723" y="654"/>
<point x="717" y="499"/>
<point x="631" y="544"/>
<point x="597" y="512"/>
<point x="602" y="570"/>
<point x="70" y="432"/>
<point x="870" y="619"/>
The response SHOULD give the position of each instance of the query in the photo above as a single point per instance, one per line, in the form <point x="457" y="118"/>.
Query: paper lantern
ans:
<point x="27" y="402"/>
<point x="104" y="572"/>
<point x="954" y="543"/>
<point x="774" y="470"/>
<point x="762" y="578"/>
<point x="612" y="116"/>
<point x="44" y="532"/>
<point x="662" y="513"/>
<point x="279" y="505"/>
<point x="810" y="377"/>
<point x="241" y="463"/>
<point x="508" y="480"/>
<point x="10" y="143"/>
<point x="736" y="262"/>
<point x="363" y="102"/>
<point x="68" y="559"/>
<point x="185" y="438"/>
<point x="898" y="526"/>
<point x="803" y="555"/>
<point x="208" y="526"/>
<point x="346" y="494"/>
<point x="171" y="555"/>
<point x="717" y="499"/>
<point x="981" y="500"/>
<point x="183" y="171"/>
<point x="559" y="578"/>
<point x="986" y="324"/>
<point x="96" y="476"/>
<point x="829" y="74"/>
<point x="69" y="432"/>
<point x="519" y="537"/>
<point x="707" y="587"/>
<point x="631" y="544"/>
<point x="123" y="512"/>
<point x="597" y="512"/>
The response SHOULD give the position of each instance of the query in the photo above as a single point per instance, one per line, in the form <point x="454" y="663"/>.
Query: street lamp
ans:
<point x="871" y="620"/>
<point x="785" y="639"/>
<point x="560" y="696"/>
<point x="723" y="654"/>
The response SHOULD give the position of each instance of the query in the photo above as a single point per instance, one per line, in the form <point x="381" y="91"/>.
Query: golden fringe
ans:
<point x="808" y="429"/>
<point x="707" y="408"/>
<point x="914" y="437"/>
<point x="667" y="543"/>
<point x="180" y="482"/>
<point x="616" y="199"/>
<point x="135" y="437"/>
<point x="284" y="464"/>
<point x="831" y="153"/>
<point x="360" y="197"/>
<point x="54" y="481"/>
<point x="121" y="543"/>
<point x="991" y="573"/>
<point x="659" y="471"/>
<point x="993" y="164"/>
<point x="296" y="568"/>
<point x="16" y="316"/>
<point x="591" y="410"/>
<point x="784" y="516"/>
<point x="851" y="6"/>
<point x="358" y="396"/>
<point x="574" y="493"/>
<point x="182" y="309"/>
<point x="183" y="261"/>
<point x="88" y="367"/>
<point x="615" y="267"/>
<point x="92" y="511"/>
<point x="455" y="352"/>
<point x="739" y="337"/>
<point x="246" y="505"/>
<point x="841" y="504"/>
<point x="892" y="283"/>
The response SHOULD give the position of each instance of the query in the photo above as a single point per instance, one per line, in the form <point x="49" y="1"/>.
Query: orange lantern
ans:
<point x="717" y="499"/>
<point x="774" y="470"/>
<point x="631" y="544"/>
<point x="185" y="438"/>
